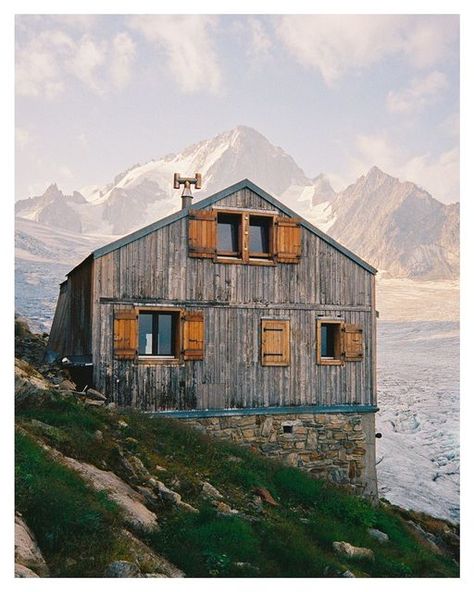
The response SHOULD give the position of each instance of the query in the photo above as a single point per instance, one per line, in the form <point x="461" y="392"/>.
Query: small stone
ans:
<point x="378" y="535"/>
<point x="93" y="394"/>
<point x="210" y="491"/>
<point x="98" y="435"/>
<point x="94" y="403"/>
<point x="266" y="496"/>
<point x="347" y="574"/>
<point x="159" y="468"/>
<point x="224" y="508"/>
<point x="350" y="552"/>
<point x="122" y="569"/>
<point x="67" y="385"/>
<point x="111" y="405"/>
<point x="122" y="424"/>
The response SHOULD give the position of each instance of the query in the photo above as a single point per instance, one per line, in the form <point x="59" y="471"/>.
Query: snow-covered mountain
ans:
<point x="398" y="227"/>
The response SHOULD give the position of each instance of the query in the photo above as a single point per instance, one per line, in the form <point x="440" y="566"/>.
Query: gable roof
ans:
<point x="211" y="200"/>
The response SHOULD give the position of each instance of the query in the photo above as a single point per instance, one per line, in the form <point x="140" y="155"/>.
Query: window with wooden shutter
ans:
<point x="125" y="334"/>
<point x="202" y="233"/>
<point x="193" y="336"/>
<point x="353" y="343"/>
<point x="330" y="342"/>
<point x="275" y="342"/>
<point x="287" y="240"/>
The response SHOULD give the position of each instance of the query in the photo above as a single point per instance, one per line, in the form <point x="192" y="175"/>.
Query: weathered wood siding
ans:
<point x="156" y="269"/>
<point x="71" y="331"/>
<point x="57" y="341"/>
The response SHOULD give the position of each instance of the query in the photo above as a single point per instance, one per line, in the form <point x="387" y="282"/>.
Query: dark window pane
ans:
<point x="259" y="234"/>
<point x="228" y="227"/>
<point x="165" y="335"/>
<point x="328" y="340"/>
<point x="145" y="341"/>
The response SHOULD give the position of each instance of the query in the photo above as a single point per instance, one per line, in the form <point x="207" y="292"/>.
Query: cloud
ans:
<point x="260" y="42"/>
<point x="123" y="56"/>
<point x="23" y="138"/>
<point x="420" y="93"/>
<point x="438" y="174"/>
<point x="337" y="44"/>
<point x="187" y="44"/>
<point x="46" y="61"/>
<point x="88" y="57"/>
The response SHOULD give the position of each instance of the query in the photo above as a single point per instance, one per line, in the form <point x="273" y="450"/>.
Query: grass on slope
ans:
<point x="293" y="539"/>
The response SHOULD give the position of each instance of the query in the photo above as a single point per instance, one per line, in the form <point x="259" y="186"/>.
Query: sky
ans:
<point x="339" y="93"/>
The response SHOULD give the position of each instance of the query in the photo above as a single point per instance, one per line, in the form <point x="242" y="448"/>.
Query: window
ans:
<point x="255" y="238"/>
<point x="228" y="234"/>
<point x="259" y="236"/>
<point x="157" y="334"/>
<point x="330" y="342"/>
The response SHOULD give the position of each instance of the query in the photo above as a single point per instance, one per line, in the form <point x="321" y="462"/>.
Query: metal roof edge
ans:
<point x="286" y="410"/>
<point x="208" y="201"/>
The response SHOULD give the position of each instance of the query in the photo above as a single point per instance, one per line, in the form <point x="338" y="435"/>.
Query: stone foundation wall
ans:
<point x="338" y="447"/>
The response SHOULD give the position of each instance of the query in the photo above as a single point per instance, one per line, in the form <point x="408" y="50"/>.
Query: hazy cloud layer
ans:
<point x="336" y="45"/>
<point x="186" y="43"/>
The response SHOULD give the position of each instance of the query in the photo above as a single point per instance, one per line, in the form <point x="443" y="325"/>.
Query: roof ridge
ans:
<point x="212" y="199"/>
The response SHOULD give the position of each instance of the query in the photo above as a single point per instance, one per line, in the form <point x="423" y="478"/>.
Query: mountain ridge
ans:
<point x="396" y="226"/>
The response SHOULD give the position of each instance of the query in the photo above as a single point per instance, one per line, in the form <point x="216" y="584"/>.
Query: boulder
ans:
<point x="27" y="552"/>
<point x="378" y="535"/>
<point x="224" y="509"/>
<point x="122" y="569"/>
<point x="93" y="394"/>
<point x="24" y="572"/>
<point x="67" y="385"/>
<point x="170" y="496"/>
<point x="132" y="502"/>
<point x="350" y="552"/>
<point x="210" y="491"/>
<point x="266" y="496"/>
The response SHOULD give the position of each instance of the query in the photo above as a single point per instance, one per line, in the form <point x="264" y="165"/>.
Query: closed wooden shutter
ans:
<point x="353" y="343"/>
<point x="287" y="240"/>
<point x="275" y="342"/>
<point x="193" y="336"/>
<point x="125" y="333"/>
<point x="202" y="233"/>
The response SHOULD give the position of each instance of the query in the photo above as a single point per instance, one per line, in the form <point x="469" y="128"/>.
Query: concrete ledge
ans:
<point x="296" y="410"/>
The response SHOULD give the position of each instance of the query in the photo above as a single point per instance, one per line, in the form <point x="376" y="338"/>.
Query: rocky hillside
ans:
<point x="102" y="492"/>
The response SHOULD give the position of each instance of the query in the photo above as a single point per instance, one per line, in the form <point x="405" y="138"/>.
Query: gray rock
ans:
<point x="67" y="385"/>
<point x="347" y="574"/>
<point x="27" y="552"/>
<point x="378" y="535"/>
<point x="122" y="569"/>
<point x="210" y="491"/>
<point x="22" y="571"/>
<point x="93" y="394"/>
<point x="350" y="552"/>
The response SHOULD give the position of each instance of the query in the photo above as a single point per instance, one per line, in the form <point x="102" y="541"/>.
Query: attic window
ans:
<point x="228" y="234"/>
<point x="259" y="236"/>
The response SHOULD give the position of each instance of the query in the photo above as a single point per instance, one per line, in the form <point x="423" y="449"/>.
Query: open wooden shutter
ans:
<point x="275" y="342"/>
<point x="193" y="336"/>
<point x="287" y="240"/>
<point x="125" y="333"/>
<point x="353" y="343"/>
<point x="202" y="233"/>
